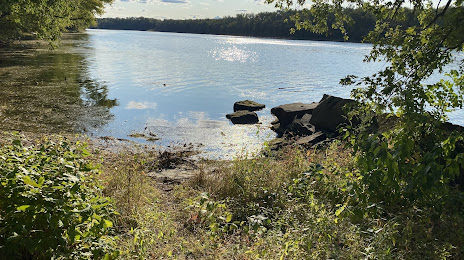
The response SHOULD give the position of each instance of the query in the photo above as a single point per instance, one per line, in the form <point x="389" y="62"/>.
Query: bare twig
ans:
<point x="4" y="14"/>
<point x="438" y="15"/>
<point x="397" y="4"/>
<point x="438" y="7"/>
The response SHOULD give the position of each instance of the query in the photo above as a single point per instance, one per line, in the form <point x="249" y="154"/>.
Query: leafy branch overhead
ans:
<point x="415" y="38"/>
<point x="46" y="19"/>
<point x="417" y="157"/>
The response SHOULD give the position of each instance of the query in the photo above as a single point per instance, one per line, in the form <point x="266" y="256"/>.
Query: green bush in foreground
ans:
<point x="50" y="205"/>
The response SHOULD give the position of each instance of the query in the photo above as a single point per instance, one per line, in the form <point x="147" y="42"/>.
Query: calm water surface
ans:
<point x="180" y="86"/>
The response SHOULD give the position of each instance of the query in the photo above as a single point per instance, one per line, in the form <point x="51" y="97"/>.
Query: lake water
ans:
<point x="179" y="87"/>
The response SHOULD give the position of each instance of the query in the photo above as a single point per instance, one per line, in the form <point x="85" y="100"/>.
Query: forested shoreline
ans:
<point x="267" y="24"/>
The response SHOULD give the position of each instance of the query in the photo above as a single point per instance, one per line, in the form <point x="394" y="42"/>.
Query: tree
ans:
<point x="419" y="156"/>
<point x="267" y="24"/>
<point x="46" y="19"/>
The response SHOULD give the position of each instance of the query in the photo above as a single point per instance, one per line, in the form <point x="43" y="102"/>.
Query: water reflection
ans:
<point x="141" y="105"/>
<point x="96" y="95"/>
<point x="234" y="54"/>
<point x="44" y="90"/>
<point x="218" y="138"/>
<point x="178" y="87"/>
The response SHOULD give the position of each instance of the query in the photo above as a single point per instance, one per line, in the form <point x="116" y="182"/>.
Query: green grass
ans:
<point x="297" y="204"/>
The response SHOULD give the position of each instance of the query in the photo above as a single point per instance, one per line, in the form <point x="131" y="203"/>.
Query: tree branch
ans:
<point x="4" y="14"/>
<point x="71" y="19"/>
<point x="438" y="6"/>
<point x="457" y="46"/>
<point x="438" y="15"/>
<point x="398" y="4"/>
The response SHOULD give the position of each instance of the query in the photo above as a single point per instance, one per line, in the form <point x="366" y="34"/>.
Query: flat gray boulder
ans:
<point x="288" y="112"/>
<point x="329" y="114"/>
<point x="278" y="143"/>
<point x="276" y="127"/>
<point x="243" y="117"/>
<point x="302" y="126"/>
<point x="311" y="140"/>
<point x="173" y="175"/>
<point x="248" y="105"/>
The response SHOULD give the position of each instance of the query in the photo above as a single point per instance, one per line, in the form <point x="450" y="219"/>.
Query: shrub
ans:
<point x="50" y="204"/>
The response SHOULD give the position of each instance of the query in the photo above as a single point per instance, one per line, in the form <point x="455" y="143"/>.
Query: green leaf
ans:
<point x="41" y="181"/>
<point x="17" y="143"/>
<point x="228" y="217"/>
<point x="107" y="223"/>
<point x="340" y="210"/>
<point x="23" y="207"/>
<point x="27" y="180"/>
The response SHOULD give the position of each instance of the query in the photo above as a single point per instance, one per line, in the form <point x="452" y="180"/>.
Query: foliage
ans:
<point x="46" y="19"/>
<point x="395" y="175"/>
<point x="139" y="223"/>
<point x="149" y="225"/>
<point x="317" y="214"/>
<point x="296" y="205"/>
<point x="250" y="185"/>
<point x="416" y="159"/>
<point x="211" y="214"/>
<point x="51" y="205"/>
<point x="126" y="182"/>
<point x="65" y="99"/>
<point x="284" y="207"/>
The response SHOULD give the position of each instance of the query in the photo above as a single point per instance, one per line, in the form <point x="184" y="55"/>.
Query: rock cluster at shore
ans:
<point x="307" y="124"/>
<point x="244" y="112"/>
<point x="300" y="123"/>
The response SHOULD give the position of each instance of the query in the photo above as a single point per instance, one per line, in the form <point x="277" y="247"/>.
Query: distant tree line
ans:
<point x="46" y="20"/>
<point x="268" y="24"/>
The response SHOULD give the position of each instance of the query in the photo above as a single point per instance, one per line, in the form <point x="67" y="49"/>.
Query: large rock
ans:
<point x="279" y="129"/>
<point x="243" y="117"/>
<point x="173" y="175"/>
<point x="329" y="114"/>
<point x="248" y="105"/>
<point x="286" y="113"/>
<point x="311" y="140"/>
<point x="278" y="143"/>
<point x="301" y="126"/>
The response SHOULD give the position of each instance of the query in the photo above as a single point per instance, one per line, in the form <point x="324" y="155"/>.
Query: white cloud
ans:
<point x="139" y="1"/>
<point x="141" y="105"/>
<point x="176" y="1"/>
<point x="170" y="8"/>
<point x="258" y="2"/>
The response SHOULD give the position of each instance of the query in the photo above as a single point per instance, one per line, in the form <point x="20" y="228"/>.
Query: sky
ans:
<point x="185" y="9"/>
